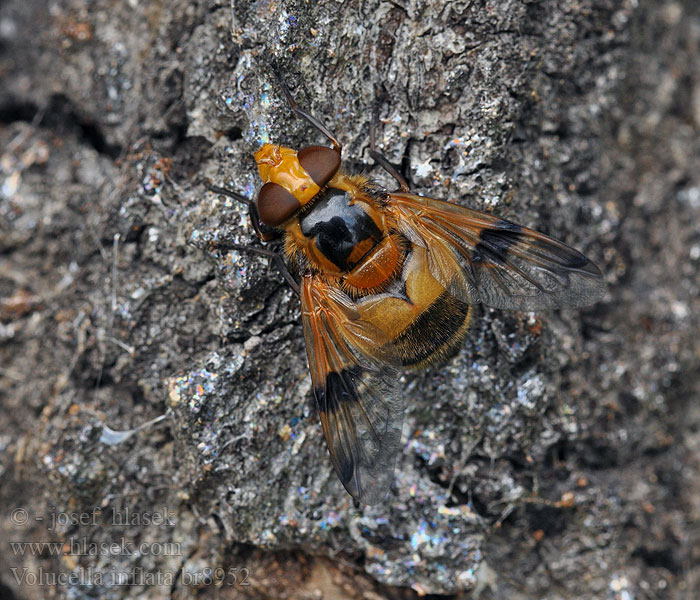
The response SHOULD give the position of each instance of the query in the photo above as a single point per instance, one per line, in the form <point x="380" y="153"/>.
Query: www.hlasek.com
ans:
<point x="83" y="547"/>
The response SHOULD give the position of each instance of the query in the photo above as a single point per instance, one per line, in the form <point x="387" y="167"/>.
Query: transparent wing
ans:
<point x="356" y="391"/>
<point x="506" y="265"/>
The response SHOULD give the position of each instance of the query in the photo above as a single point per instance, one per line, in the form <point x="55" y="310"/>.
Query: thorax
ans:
<point x="346" y="234"/>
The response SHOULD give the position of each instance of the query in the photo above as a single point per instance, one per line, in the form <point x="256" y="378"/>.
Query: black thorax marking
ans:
<point x="337" y="226"/>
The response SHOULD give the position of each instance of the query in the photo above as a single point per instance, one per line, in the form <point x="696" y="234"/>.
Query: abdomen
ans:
<point x="423" y="320"/>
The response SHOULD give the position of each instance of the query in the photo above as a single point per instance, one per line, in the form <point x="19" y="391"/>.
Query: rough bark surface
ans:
<point x="556" y="456"/>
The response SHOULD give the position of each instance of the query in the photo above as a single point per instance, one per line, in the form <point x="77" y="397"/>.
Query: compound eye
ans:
<point x="320" y="162"/>
<point x="276" y="204"/>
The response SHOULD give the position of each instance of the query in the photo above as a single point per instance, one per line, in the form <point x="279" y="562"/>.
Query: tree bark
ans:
<point x="556" y="456"/>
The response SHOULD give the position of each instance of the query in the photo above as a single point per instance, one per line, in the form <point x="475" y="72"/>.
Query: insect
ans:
<point x="389" y="281"/>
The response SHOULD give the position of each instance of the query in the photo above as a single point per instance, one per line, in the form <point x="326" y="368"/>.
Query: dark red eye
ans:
<point x="275" y="204"/>
<point x="320" y="162"/>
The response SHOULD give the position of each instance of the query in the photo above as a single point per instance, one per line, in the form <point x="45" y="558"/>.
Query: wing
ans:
<point x="506" y="265"/>
<point x="356" y="392"/>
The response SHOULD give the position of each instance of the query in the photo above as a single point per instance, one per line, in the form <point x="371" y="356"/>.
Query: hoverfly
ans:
<point x="388" y="281"/>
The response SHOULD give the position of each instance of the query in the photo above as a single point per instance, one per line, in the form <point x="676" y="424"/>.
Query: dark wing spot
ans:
<point x="339" y="389"/>
<point x="495" y="243"/>
<point x="575" y="260"/>
<point x="505" y="225"/>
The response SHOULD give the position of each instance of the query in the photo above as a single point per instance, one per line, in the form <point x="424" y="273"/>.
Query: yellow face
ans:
<point x="280" y="165"/>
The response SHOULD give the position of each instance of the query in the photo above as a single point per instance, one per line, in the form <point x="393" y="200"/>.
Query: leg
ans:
<point x="379" y="158"/>
<point x="275" y="256"/>
<point x="265" y="236"/>
<point x="313" y="121"/>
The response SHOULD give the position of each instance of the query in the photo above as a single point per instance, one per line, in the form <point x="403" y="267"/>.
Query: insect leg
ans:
<point x="264" y="236"/>
<point x="275" y="256"/>
<point x="313" y="121"/>
<point x="380" y="158"/>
